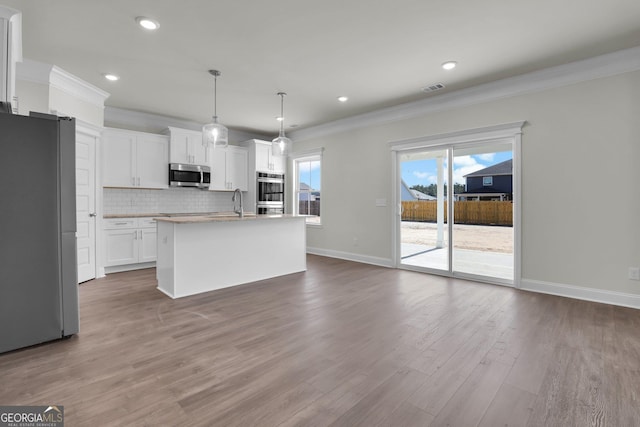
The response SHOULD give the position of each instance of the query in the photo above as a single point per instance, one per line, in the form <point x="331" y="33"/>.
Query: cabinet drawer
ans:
<point x="146" y="223"/>
<point x="118" y="223"/>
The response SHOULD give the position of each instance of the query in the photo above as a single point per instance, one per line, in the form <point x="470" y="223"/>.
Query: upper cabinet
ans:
<point x="135" y="159"/>
<point x="229" y="169"/>
<point x="261" y="159"/>
<point x="186" y="147"/>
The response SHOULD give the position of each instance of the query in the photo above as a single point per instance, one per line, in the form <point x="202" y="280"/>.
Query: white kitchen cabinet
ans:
<point x="265" y="160"/>
<point x="135" y="159"/>
<point x="148" y="243"/>
<point x="185" y="146"/>
<point x="130" y="241"/>
<point x="229" y="168"/>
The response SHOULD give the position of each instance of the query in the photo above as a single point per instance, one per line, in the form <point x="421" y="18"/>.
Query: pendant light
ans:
<point x="215" y="134"/>
<point x="281" y="145"/>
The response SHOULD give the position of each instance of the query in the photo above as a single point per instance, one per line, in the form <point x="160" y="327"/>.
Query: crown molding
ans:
<point x="610" y="64"/>
<point x="53" y="76"/>
<point x="77" y="87"/>
<point x="156" y="123"/>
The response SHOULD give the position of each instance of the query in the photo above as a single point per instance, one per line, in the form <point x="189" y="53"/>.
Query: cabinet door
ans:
<point x="148" y="244"/>
<point x="179" y="148"/>
<point x="152" y="161"/>
<point x="118" y="159"/>
<point x="237" y="165"/>
<point x="186" y="147"/>
<point x="200" y="154"/>
<point x="278" y="163"/>
<point x="121" y="246"/>
<point x="218" y="170"/>
<point x="263" y="157"/>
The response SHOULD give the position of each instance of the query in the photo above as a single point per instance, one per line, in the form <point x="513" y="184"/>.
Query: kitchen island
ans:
<point x="203" y="253"/>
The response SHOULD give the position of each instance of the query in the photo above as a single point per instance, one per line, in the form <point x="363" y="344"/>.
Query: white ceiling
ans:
<point x="379" y="53"/>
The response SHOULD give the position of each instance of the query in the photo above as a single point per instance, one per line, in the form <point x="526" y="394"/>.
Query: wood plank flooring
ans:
<point x="343" y="344"/>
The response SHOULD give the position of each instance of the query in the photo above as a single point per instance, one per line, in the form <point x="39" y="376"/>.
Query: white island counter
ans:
<point x="202" y="253"/>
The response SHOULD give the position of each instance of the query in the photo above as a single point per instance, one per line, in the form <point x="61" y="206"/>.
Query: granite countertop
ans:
<point x="131" y="215"/>
<point x="168" y="214"/>
<point x="222" y="217"/>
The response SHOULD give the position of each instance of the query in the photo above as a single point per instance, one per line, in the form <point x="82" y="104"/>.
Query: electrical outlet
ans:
<point x="355" y="241"/>
<point x="634" y="273"/>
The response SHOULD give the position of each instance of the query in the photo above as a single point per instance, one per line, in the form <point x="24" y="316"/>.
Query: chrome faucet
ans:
<point x="239" y="211"/>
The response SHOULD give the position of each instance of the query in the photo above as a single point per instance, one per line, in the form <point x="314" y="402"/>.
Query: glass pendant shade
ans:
<point x="215" y="134"/>
<point x="281" y="146"/>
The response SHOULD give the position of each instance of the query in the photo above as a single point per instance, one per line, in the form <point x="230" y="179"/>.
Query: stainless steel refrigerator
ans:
<point x="38" y="267"/>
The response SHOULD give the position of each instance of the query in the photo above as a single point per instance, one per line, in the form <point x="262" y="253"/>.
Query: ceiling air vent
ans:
<point x="433" y="87"/>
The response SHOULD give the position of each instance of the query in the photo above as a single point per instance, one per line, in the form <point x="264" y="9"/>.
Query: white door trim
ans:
<point x="95" y="132"/>
<point x="508" y="132"/>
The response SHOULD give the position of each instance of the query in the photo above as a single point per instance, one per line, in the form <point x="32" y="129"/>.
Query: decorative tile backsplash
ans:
<point x="173" y="200"/>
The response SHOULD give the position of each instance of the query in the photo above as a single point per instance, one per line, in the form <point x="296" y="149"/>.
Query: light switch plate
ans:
<point x="381" y="202"/>
<point x="634" y="273"/>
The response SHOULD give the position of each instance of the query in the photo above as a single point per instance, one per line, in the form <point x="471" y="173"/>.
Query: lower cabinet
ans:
<point x="130" y="241"/>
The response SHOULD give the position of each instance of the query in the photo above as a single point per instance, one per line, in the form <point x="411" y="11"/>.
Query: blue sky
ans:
<point x="310" y="174"/>
<point x="423" y="172"/>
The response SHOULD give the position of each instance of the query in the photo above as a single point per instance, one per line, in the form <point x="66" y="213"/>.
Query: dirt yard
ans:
<point x="474" y="237"/>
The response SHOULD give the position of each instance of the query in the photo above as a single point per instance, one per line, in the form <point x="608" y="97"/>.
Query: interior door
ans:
<point x="86" y="206"/>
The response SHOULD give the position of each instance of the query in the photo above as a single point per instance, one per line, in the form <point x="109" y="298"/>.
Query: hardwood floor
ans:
<point x="343" y="344"/>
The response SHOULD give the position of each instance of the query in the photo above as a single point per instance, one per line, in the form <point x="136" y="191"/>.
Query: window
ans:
<point x="307" y="185"/>
<point x="487" y="181"/>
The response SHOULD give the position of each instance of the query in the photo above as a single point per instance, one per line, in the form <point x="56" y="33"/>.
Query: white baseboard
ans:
<point x="577" y="292"/>
<point x="129" y="267"/>
<point x="366" y="259"/>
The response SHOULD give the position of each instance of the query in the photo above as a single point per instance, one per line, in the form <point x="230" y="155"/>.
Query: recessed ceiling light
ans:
<point x="111" y="77"/>
<point x="343" y="98"/>
<point x="449" y="65"/>
<point x="279" y="118"/>
<point x="147" y="23"/>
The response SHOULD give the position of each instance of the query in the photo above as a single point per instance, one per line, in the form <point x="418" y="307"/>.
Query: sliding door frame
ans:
<point x="505" y="133"/>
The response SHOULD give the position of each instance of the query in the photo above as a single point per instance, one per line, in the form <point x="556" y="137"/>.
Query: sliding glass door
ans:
<point x="456" y="210"/>
<point x="424" y="232"/>
<point x="483" y="210"/>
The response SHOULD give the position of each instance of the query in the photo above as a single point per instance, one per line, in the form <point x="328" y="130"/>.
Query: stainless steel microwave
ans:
<point x="183" y="175"/>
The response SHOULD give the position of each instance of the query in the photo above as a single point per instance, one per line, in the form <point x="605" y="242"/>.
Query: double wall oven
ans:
<point x="269" y="193"/>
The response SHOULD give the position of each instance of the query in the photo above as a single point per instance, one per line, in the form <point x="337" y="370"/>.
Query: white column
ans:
<point x="440" y="203"/>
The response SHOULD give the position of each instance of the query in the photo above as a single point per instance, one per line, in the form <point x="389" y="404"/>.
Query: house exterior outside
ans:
<point x="308" y="200"/>
<point x="410" y="195"/>
<point x="491" y="183"/>
<point x="307" y="193"/>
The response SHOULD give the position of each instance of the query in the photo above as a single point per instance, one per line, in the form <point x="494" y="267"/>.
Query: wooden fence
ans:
<point x="467" y="212"/>
<point x="309" y="207"/>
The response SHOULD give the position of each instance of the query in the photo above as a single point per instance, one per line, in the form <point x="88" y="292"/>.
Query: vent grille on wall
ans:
<point x="433" y="87"/>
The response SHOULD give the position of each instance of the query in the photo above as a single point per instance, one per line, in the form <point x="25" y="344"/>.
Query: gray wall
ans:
<point x="580" y="199"/>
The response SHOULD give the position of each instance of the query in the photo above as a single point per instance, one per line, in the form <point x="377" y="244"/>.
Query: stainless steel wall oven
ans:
<point x="270" y="193"/>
